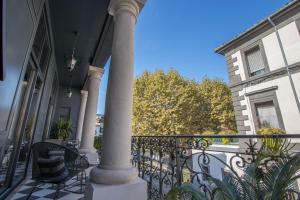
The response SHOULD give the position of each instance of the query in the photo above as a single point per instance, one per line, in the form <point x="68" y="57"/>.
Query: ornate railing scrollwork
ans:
<point x="168" y="161"/>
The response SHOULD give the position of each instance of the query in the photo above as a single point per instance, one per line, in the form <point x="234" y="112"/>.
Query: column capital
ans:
<point x="84" y="92"/>
<point x="95" y="72"/>
<point x="132" y="6"/>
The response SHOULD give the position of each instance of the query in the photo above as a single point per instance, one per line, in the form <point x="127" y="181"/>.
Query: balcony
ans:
<point x="169" y="161"/>
<point x="166" y="162"/>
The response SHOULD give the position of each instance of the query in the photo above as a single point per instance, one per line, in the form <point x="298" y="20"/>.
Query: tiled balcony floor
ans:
<point x="45" y="192"/>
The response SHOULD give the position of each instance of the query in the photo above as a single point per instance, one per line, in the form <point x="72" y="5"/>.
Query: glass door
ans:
<point x="27" y="134"/>
<point x="15" y="161"/>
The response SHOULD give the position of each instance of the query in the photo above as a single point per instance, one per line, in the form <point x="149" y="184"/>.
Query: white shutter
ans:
<point x="255" y="60"/>
<point x="267" y="115"/>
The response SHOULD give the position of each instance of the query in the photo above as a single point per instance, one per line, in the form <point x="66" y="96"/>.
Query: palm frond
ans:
<point x="224" y="189"/>
<point x="283" y="179"/>
<point x="195" y="192"/>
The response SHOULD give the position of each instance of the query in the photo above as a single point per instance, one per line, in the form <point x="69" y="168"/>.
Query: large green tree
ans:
<point x="220" y="109"/>
<point x="167" y="103"/>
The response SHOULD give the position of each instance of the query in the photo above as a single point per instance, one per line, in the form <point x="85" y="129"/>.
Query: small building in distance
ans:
<point x="99" y="124"/>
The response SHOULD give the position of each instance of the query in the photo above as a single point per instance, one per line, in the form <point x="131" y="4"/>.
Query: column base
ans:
<point x="87" y="150"/>
<point x="92" y="157"/>
<point x="113" y="176"/>
<point x="136" y="189"/>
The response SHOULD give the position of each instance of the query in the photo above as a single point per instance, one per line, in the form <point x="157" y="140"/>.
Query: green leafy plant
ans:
<point x="62" y="129"/>
<point x="272" y="144"/>
<point x="209" y="140"/>
<point x="166" y="103"/>
<point x="98" y="142"/>
<point x="265" y="179"/>
<point x="227" y="132"/>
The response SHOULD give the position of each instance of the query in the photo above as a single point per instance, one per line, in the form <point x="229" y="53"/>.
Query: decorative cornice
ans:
<point x="268" y="76"/>
<point x="262" y="90"/>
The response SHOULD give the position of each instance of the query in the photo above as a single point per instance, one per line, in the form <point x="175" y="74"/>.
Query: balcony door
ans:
<point x="17" y="149"/>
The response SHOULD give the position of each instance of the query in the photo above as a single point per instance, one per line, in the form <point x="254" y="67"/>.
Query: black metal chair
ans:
<point x="82" y="164"/>
<point x="55" y="164"/>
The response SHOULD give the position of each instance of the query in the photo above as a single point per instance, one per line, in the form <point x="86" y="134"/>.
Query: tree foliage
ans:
<point x="167" y="103"/>
<point x="220" y="109"/>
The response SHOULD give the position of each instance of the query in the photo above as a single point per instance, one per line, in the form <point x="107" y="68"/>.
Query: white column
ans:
<point x="115" y="173"/>
<point x="89" y="123"/>
<point x="84" y="95"/>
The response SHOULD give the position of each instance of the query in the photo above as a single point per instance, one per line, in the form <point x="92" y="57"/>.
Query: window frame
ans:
<point x="267" y="95"/>
<point x="260" y="105"/>
<point x="244" y="51"/>
<point x="46" y="40"/>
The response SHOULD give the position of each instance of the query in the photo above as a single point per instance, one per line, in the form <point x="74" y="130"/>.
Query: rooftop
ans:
<point x="222" y="49"/>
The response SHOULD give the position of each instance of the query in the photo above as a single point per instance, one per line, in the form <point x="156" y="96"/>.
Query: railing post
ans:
<point x="139" y="156"/>
<point x="151" y="167"/>
<point x="160" y="154"/>
<point x="177" y="157"/>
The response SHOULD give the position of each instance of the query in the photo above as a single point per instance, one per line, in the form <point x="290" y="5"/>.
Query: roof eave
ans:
<point x="224" y="48"/>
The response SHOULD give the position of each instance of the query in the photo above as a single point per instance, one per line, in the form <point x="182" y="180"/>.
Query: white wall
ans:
<point x="273" y="53"/>
<point x="215" y="164"/>
<point x="239" y="64"/>
<point x="296" y="79"/>
<point x="286" y="101"/>
<point x="290" y="38"/>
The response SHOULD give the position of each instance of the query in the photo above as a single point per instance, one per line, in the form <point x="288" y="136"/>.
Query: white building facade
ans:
<point x="264" y="73"/>
<point x="99" y="125"/>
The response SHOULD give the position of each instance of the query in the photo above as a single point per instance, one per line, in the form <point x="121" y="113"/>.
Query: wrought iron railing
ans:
<point x="168" y="161"/>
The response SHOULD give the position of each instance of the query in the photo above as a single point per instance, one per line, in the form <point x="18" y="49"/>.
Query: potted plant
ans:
<point x="62" y="129"/>
<point x="272" y="180"/>
<point x="274" y="145"/>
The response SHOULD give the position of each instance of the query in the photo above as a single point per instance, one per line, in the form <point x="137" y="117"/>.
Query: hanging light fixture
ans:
<point x="69" y="94"/>
<point x="72" y="60"/>
<point x="72" y="63"/>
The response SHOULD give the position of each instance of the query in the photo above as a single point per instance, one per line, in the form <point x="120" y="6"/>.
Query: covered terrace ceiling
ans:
<point x="94" y="26"/>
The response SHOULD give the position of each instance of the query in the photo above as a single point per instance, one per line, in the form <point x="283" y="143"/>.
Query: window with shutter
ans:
<point x="255" y="61"/>
<point x="266" y="114"/>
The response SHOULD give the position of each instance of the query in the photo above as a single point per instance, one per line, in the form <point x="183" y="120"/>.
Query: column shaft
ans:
<point x="115" y="178"/>
<point x="118" y="113"/>
<point x="84" y="95"/>
<point x="89" y="123"/>
<point x="115" y="166"/>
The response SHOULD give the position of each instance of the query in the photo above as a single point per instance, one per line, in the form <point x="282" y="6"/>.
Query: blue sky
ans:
<point x="182" y="34"/>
